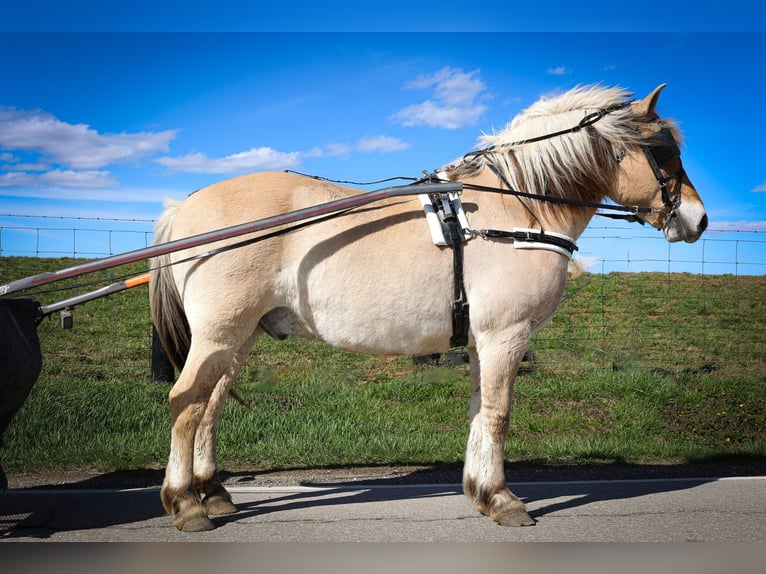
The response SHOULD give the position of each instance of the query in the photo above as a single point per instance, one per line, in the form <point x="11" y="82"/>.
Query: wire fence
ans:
<point x="615" y="247"/>
<point x="632" y="301"/>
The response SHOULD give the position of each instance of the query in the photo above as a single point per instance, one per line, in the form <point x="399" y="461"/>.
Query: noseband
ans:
<point x="661" y="147"/>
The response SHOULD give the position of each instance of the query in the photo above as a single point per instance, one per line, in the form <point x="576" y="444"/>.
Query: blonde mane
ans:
<point x="579" y="165"/>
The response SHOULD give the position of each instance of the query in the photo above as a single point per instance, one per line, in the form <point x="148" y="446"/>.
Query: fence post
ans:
<point x="162" y="368"/>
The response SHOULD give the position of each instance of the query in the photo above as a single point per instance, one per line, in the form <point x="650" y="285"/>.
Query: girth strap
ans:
<point x="460" y="299"/>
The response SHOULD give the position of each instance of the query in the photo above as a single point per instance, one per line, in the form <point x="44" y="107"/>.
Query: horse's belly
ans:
<point x="377" y="331"/>
<point x="368" y="317"/>
<point x="370" y="332"/>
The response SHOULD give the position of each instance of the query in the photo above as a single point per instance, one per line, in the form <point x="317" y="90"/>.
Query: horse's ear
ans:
<point x="646" y="106"/>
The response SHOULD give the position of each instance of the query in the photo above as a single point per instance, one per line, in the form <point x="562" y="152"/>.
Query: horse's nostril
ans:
<point x="703" y="223"/>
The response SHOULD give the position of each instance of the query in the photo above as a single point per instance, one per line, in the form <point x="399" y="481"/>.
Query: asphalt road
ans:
<point x="657" y="510"/>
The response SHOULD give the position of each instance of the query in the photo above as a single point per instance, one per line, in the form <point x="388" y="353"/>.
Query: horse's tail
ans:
<point x="164" y="300"/>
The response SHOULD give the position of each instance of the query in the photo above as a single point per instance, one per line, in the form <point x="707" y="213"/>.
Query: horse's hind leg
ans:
<point x="493" y="371"/>
<point x="189" y="399"/>
<point x="217" y="500"/>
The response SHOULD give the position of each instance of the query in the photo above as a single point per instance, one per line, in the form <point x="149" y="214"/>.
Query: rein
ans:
<point x="662" y="147"/>
<point x="630" y="212"/>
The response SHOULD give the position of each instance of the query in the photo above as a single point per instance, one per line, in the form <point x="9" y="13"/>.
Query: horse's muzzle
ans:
<point x="687" y="224"/>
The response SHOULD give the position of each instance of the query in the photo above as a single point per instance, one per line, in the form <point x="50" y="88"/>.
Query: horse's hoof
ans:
<point x="517" y="518"/>
<point x="198" y="524"/>
<point x="219" y="506"/>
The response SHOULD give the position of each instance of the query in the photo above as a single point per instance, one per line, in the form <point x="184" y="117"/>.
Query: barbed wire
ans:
<point x="76" y="217"/>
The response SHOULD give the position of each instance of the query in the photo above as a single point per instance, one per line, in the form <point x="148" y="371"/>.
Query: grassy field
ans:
<point x="636" y="368"/>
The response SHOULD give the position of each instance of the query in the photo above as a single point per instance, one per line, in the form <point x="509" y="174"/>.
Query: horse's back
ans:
<point x="247" y="198"/>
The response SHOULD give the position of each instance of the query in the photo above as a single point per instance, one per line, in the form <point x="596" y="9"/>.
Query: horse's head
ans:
<point x="651" y="175"/>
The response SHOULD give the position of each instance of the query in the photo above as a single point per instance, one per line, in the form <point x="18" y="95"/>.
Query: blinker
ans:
<point x="663" y="146"/>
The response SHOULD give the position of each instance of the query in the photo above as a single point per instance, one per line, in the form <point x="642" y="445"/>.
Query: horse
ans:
<point x="372" y="280"/>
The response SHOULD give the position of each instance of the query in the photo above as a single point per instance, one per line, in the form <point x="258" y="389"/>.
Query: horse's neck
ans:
<point x="505" y="210"/>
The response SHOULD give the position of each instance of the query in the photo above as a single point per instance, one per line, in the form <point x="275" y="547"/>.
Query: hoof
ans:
<point x="219" y="506"/>
<point x="199" y="524"/>
<point x="518" y="518"/>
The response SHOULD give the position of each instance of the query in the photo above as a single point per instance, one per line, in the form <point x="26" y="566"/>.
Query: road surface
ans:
<point x="655" y="510"/>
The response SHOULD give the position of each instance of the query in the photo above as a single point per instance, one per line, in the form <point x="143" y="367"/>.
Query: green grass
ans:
<point x="637" y="368"/>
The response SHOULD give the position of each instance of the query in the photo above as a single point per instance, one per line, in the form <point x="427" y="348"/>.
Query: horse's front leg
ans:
<point x="493" y="371"/>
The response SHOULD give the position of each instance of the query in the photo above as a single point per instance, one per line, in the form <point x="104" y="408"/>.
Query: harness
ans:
<point x="449" y="225"/>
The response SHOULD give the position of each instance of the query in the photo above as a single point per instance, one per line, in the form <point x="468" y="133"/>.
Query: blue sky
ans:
<point x="104" y="124"/>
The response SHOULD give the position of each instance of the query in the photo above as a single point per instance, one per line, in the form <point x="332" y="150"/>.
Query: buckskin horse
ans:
<point x="372" y="280"/>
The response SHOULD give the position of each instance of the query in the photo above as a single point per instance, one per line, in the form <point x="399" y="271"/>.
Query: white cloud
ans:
<point x="254" y="159"/>
<point x="38" y="166"/>
<point x="759" y="189"/>
<point x="382" y="144"/>
<point x="87" y="195"/>
<point x="15" y="178"/>
<point x="266" y="158"/>
<point x="337" y="150"/>
<point x="58" y="178"/>
<point x="333" y="149"/>
<point x="82" y="179"/>
<point x="557" y="71"/>
<point x="75" y="146"/>
<point x="37" y="150"/>
<point x="456" y="102"/>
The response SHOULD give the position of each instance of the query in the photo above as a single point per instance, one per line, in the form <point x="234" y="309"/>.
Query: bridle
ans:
<point x="661" y="147"/>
